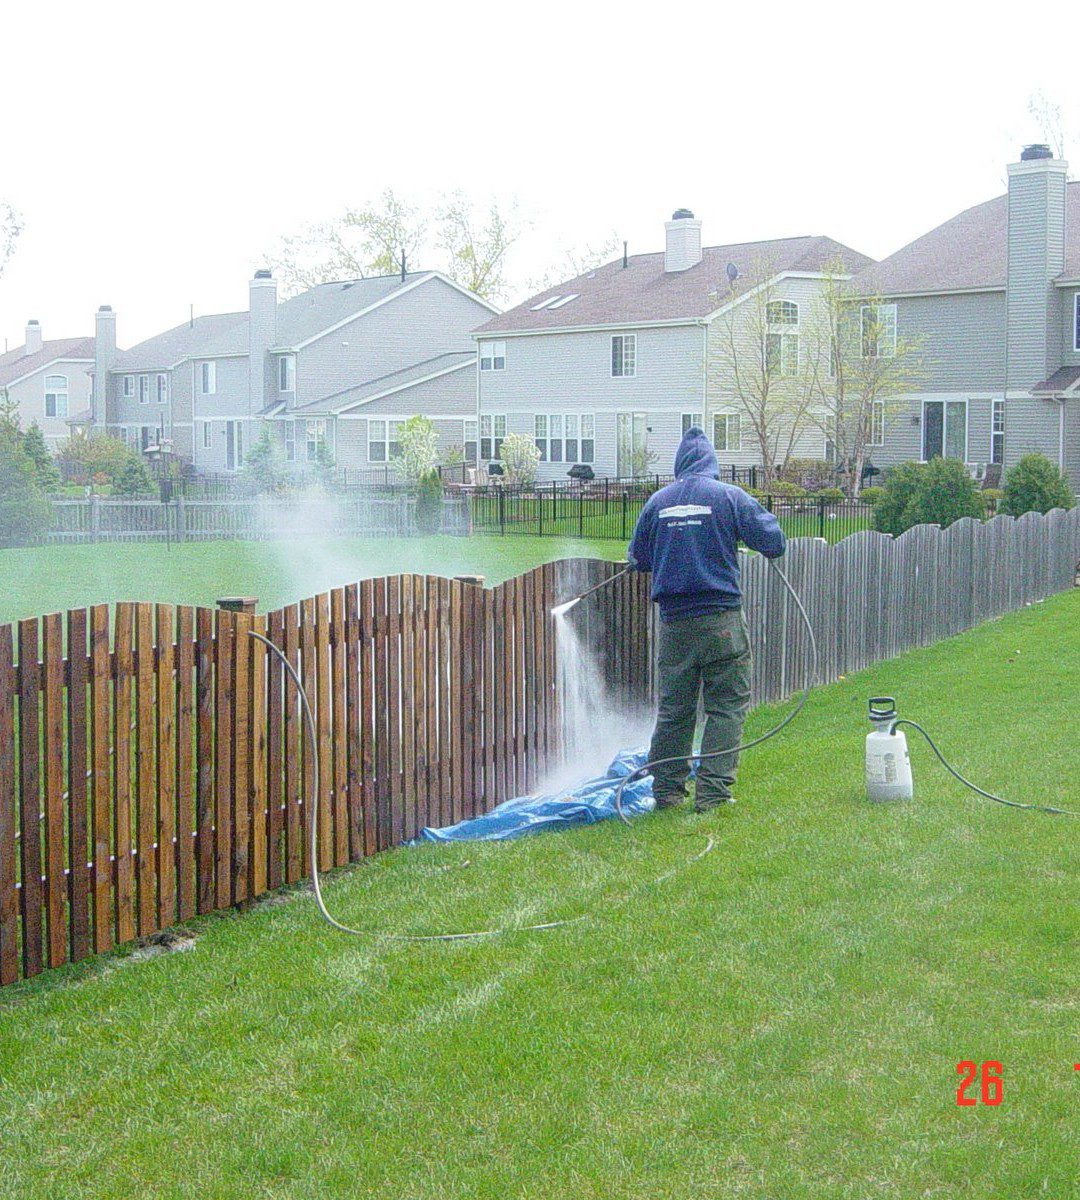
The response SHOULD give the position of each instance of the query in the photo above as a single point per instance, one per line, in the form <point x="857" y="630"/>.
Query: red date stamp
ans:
<point x="979" y="1083"/>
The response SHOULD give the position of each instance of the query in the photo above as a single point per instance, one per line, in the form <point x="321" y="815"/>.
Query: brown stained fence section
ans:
<point x="154" y="762"/>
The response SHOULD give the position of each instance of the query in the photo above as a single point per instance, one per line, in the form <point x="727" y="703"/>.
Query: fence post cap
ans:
<point x="478" y="580"/>
<point x="240" y="604"/>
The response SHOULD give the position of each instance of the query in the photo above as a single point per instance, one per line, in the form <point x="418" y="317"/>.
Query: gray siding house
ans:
<point x="49" y="382"/>
<point x="993" y="297"/>
<point x="609" y="368"/>
<point x="319" y="369"/>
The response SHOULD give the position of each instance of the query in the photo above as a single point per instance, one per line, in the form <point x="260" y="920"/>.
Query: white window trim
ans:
<point x="492" y="436"/>
<point x="1076" y="323"/>
<point x="207" y="378"/>
<point x="287" y="367"/>
<point x="56" y="391"/>
<point x="994" y="433"/>
<point x="208" y="435"/>
<point x="695" y="419"/>
<point x="129" y="386"/>
<point x="726" y="413"/>
<point x="944" y="400"/>
<point x="876" y="406"/>
<point x="488" y="354"/>
<point x="564" y="437"/>
<point x="161" y="387"/>
<point x="144" y="389"/>
<point x="895" y="326"/>
<point x="624" y="338"/>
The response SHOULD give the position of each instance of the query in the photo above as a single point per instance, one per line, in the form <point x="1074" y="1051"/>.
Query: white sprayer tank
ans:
<point x="888" y="767"/>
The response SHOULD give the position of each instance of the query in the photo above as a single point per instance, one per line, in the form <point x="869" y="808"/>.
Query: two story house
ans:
<point x="610" y="368"/>
<point x="337" y="367"/>
<point x="992" y="298"/>
<point x="49" y="382"/>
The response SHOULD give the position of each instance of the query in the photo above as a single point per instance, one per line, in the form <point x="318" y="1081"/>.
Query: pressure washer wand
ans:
<point x="559" y="609"/>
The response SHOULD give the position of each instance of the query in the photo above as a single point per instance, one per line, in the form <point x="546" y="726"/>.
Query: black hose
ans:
<point x="1046" y="808"/>
<point x="645" y="768"/>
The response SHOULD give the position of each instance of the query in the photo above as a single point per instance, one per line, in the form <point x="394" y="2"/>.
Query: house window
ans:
<point x="469" y="438"/>
<point x="234" y="445"/>
<point x="316" y="441"/>
<point x="878" y="330"/>
<point x="877" y="423"/>
<point x="146" y="437"/>
<point x="564" y="437"/>
<point x="1076" y="321"/>
<point x="383" y="443"/>
<point x="572" y="426"/>
<point x="624" y="355"/>
<point x="207" y="435"/>
<point x="208" y="378"/>
<point x="144" y="389"/>
<point x="782" y="337"/>
<point x="492" y="432"/>
<point x="56" y="396"/>
<point x="162" y="388"/>
<point x="588" y="438"/>
<point x="944" y="425"/>
<point x="542" y="436"/>
<point x="997" y="432"/>
<point x="493" y="356"/>
<point x="727" y="432"/>
<point x="290" y="441"/>
<point x="689" y="420"/>
<point x="129" y="385"/>
<point x="287" y="373"/>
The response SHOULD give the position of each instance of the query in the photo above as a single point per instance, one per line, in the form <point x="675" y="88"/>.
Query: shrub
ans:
<point x="814" y="474"/>
<point x="520" y="459"/>
<point x="1035" y="484"/>
<point x="264" y="468"/>
<point x="789" y="491"/>
<point x="994" y="494"/>
<point x="831" y="495"/>
<point x="871" y="495"/>
<point x="133" y="479"/>
<point x="419" y="442"/>
<point x="429" y="503"/>
<point x="97" y="455"/>
<point x="48" y="474"/>
<point x="937" y="493"/>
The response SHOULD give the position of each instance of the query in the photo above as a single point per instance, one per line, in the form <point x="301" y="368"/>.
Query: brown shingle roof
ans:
<point x="16" y="363"/>
<point x="1061" y="380"/>
<point x="643" y="291"/>
<point x="967" y="251"/>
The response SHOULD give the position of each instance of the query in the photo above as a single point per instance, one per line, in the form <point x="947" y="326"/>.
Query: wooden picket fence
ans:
<point x="153" y="759"/>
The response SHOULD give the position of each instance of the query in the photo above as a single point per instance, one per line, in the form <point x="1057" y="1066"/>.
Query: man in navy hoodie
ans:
<point x="688" y="535"/>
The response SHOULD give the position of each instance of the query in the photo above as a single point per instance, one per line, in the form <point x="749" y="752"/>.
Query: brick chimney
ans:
<point x="1036" y="255"/>
<point x="683" y="244"/>
<point x="33" y="338"/>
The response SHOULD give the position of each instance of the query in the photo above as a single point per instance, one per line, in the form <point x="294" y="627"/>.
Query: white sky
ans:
<point x="156" y="159"/>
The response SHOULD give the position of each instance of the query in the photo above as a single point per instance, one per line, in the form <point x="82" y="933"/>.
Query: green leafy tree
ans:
<point x="98" y="454"/>
<point x="48" y="474"/>
<point x="935" y="493"/>
<point x="419" y="454"/>
<point x="1035" y="484"/>
<point x="520" y="459"/>
<point x="25" y="511"/>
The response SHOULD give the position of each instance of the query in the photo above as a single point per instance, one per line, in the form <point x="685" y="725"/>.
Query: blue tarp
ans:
<point x="585" y="803"/>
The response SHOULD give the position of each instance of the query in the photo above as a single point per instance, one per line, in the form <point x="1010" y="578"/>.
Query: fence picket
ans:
<point x="9" y="824"/>
<point x="123" y="700"/>
<point x="100" y="779"/>
<point x="185" y="764"/>
<point x="78" y="741"/>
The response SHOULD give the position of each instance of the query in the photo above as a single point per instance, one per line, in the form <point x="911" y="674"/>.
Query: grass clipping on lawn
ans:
<point x="784" y="1018"/>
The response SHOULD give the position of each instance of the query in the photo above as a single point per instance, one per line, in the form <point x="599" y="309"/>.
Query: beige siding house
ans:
<point x="49" y="382"/>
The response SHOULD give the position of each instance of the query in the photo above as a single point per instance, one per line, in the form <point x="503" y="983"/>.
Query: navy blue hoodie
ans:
<point x="688" y="535"/>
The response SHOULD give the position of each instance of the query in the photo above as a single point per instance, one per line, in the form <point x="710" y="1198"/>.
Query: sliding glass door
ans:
<point x="944" y="429"/>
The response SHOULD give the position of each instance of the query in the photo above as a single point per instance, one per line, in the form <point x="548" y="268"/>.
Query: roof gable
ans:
<point x="16" y="364"/>
<point x="643" y="292"/>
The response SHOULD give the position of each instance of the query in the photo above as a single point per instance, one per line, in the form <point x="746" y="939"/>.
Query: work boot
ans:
<point x="716" y="797"/>
<point x="672" y="801"/>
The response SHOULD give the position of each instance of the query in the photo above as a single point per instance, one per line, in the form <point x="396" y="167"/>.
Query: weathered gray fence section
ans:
<point x="115" y="519"/>
<point x="871" y="596"/>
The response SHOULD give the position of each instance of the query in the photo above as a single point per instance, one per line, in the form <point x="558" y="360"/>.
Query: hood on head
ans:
<point x="695" y="455"/>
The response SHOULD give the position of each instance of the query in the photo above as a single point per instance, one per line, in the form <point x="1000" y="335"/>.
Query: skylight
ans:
<point x="564" y="300"/>
<point x="545" y="303"/>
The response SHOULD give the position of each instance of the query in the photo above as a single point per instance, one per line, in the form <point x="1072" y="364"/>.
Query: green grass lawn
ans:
<point x="45" y="579"/>
<point x="781" y="1019"/>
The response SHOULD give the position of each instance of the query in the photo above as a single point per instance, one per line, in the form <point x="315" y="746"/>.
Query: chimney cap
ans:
<point x="263" y="273"/>
<point x="33" y="321"/>
<point x="1035" y="151"/>
<point x="682" y="214"/>
<point x="105" y="308"/>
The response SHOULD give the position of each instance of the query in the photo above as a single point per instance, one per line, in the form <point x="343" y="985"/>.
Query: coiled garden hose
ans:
<point x="811" y="683"/>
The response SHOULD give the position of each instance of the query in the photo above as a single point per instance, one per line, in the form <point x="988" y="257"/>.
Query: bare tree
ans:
<point x="475" y="245"/>
<point x="1047" y="113"/>
<point x="362" y="242"/>
<point x="859" y="369"/>
<point x="578" y="260"/>
<point x="10" y="228"/>
<point x="759" y="352"/>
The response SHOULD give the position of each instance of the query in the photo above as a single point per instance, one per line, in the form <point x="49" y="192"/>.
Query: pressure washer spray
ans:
<point x="888" y="769"/>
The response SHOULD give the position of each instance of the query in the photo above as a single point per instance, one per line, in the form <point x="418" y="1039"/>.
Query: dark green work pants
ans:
<point x="707" y="656"/>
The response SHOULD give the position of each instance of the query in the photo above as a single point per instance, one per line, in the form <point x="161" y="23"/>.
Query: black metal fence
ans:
<point x="608" y="509"/>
